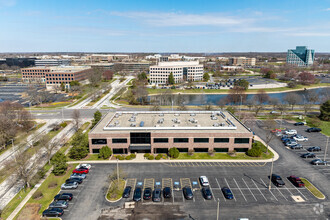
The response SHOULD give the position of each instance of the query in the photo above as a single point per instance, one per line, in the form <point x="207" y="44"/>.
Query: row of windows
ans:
<point x="175" y="68"/>
<point x="175" y="140"/>
<point x="59" y="78"/>
<point x="59" y="74"/>
<point x="34" y="71"/>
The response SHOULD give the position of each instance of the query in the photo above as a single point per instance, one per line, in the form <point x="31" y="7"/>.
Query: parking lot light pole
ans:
<point x="117" y="173"/>
<point x="218" y="207"/>
<point x="271" y="173"/>
<point x="326" y="149"/>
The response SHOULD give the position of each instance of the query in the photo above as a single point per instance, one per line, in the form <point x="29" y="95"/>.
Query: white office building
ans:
<point x="182" y="71"/>
<point x="52" y="62"/>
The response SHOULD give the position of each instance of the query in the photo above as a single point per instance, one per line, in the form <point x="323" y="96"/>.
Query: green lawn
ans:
<point x="325" y="125"/>
<point x="313" y="189"/>
<point x="11" y="206"/>
<point x="116" y="193"/>
<point x="48" y="194"/>
<point x="221" y="156"/>
<point x="89" y="157"/>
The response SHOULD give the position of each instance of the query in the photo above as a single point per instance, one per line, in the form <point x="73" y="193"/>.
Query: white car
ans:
<point x="204" y="181"/>
<point x="300" y="138"/>
<point x="291" y="132"/>
<point x="88" y="166"/>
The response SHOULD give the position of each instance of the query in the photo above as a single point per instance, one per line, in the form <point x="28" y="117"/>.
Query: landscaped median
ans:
<point x="317" y="193"/>
<point x="115" y="191"/>
<point x="48" y="189"/>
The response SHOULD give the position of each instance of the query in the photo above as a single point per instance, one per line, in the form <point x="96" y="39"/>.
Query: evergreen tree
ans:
<point x="171" y="80"/>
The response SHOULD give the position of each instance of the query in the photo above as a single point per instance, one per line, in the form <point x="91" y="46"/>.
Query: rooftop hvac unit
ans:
<point x="176" y="114"/>
<point x="116" y="115"/>
<point x="133" y="125"/>
<point x="198" y="125"/>
<point x="120" y="113"/>
<point x="142" y="124"/>
<point x="157" y="125"/>
<point x="192" y="114"/>
<point x="214" y="118"/>
<point x="160" y="121"/>
<point x="222" y="124"/>
<point x="215" y="125"/>
<point x="132" y="119"/>
<point x="175" y="125"/>
<point x="116" y="122"/>
<point x="161" y="114"/>
<point x="135" y="114"/>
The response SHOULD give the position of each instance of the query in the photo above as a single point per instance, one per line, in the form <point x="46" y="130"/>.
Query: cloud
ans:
<point x="310" y="34"/>
<point x="180" y="19"/>
<point x="7" y="3"/>
<point x="327" y="9"/>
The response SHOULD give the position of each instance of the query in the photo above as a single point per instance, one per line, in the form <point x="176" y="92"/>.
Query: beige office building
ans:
<point x="242" y="61"/>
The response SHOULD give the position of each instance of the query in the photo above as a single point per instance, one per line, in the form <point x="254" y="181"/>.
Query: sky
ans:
<point x="212" y="26"/>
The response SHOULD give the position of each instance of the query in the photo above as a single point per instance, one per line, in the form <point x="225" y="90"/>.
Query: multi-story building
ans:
<point x="157" y="132"/>
<point x="52" y="62"/>
<point x="131" y="67"/>
<point x="182" y="71"/>
<point x="242" y="61"/>
<point x="301" y="56"/>
<point x="54" y="76"/>
<point x="108" y="57"/>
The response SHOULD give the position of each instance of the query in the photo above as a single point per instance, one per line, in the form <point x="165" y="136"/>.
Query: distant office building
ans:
<point x="54" y="76"/>
<point x="242" y="61"/>
<point x="103" y="66"/>
<point x="108" y="57"/>
<point x="21" y="62"/>
<point x="301" y="56"/>
<point x="182" y="71"/>
<point x="52" y="62"/>
<point x="131" y="67"/>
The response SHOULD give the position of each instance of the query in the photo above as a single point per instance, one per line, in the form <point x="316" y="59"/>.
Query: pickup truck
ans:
<point x="296" y="181"/>
<point x="277" y="180"/>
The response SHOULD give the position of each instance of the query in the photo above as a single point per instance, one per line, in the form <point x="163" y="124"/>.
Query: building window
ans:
<point x="181" y="140"/>
<point x="201" y="140"/>
<point x="221" y="150"/>
<point x="221" y="140"/>
<point x="99" y="141"/>
<point x="140" y="138"/>
<point x="241" y="150"/>
<point x="119" y="140"/>
<point x="96" y="151"/>
<point x="242" y="140"/>
<point x="160" y="140"/>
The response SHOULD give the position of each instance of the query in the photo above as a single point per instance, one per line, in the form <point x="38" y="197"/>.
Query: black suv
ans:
<point x="314" y="130"/>
<point x="277" y="180"/>
<point x="207" y="194"/>
<point x="64" y="196"/>
<point x="167" y="192"/>
<point x="127" y="192"/>
<point x="187" y="192"/>
<point x="71" y="180"/>
<point x="53" y="212"/>
<point x="308" y="155"/>
<point x="147" y="193"/>
<point x="137" y="194"/>
<point x="316" y="148"/>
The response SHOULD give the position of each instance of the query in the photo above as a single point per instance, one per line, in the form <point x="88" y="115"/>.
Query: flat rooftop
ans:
<point x="169" y="121"/>
<point x="60" y="68"/>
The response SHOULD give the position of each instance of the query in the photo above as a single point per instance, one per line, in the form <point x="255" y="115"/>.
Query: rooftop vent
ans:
<point x="214" y="118"/>
<point x="133" y="124"/>
<point x="160" y="121"/>
<point x="192" y="114"/>
<point x="176" y="114"/>
<point x="215" y="125"/>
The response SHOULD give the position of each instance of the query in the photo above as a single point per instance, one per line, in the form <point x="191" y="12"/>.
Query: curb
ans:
<point x="315" y="188"/>
<point x="117" y="199"/>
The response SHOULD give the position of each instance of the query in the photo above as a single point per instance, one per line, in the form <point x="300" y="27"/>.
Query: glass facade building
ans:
<point x="301" y="56"/>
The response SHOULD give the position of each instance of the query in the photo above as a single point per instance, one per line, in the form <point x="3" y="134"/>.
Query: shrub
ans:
<point x="174" y="152"/>
<point x="151" y="157"/>
<point x="133" y="156"/>
<point x="325" y="111"/>
<point x="52" y="184"/>
<point x="63" y="124"/>
<point x="105" y="152"/>
<point x="128" y="157"/>
<point x="120" y="157"/>
<point x="158" y="157"/>
<point x="255" y="151"/>
<point x="232" y="153"/>
<point x="292" y="84"/>
<point x="59" y="162"/>
<point x="164" y="156"/>
<point x="146" y="155"/>
<point x="37" y="195"/>
<point x="78" y="152"/>
<point x="191" y="152"/>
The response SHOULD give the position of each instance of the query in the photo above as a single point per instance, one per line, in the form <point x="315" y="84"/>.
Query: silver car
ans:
<point x="59" y="204"/>
<point x="78" y="175"/>
<point x="72" y="185"/>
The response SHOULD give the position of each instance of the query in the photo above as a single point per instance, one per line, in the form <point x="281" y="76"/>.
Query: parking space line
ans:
<point x="211" y="192"/>
<point x="249" y="189"/>
<point x="149" y="183"/>
<point x="268" y="190"/>
<point x="172" y="196"/>
<point x="185" y="182"/>
<point x="298" y="190"/>
<point x="288" y="190"/>
<point x="230" y="189"/>
<point x="239" y="189"/>
<point x="259" y="190"/>
<point x="220" y="189"/>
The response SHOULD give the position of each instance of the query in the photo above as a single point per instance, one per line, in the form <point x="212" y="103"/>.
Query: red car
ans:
<point x="296" y="181"/>
<point x="80" y="170"/>
<point x="276" y="130"/>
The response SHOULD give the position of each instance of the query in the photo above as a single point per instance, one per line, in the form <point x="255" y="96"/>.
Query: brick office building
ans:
<point x="156" y="132"/>
<point x="54" y="76"/>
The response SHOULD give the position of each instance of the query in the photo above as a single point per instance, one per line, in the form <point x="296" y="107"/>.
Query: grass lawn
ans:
<point x="98" y="98"/>
<point x="221" y="156"/>
<point x="84" y="126"/>
<point x="49" y="193"/>
<point x="116" y="193"/>
<point x="325" y="125"/>
<point x="312" y="189"/>
<point x="89" y="157"/>
<point x="11" y="206"/>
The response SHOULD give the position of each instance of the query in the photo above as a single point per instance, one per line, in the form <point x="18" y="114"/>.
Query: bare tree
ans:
<point x="274" y="102"/>
<point x="292" y="99"/>
<point x="312" y="96"/>
<point x="50" y="147"/>
<point x="269" y="125"/>
<point x="261" y="97"/>
<point x="95" y="77"/>
<point x="24" y="163"/>
<point x="76" y="118"/>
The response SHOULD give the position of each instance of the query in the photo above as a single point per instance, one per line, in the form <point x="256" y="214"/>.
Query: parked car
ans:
<point x="64" y="196"/>
<point x="314" y="130"/>
<point x="277" y="180"/>
<point x="157" y="194"/>
<point x="86" y="165"/>
<point x="297" y="146"/>
<point x="319" y="162"/>
<point x="71" y="180"/>
<point x="278" y="134"/>
<point x="315" y="148"/>
<point x="137" y="194"/>
<point x="274" y="112"/>
<point x="308" y="155"/>
<point x="78" y="175"/>
<point x="80" y="170"/>
<point x="299" y="123"/>
<point x="284" y="136"/>
<point x="53" y="212"/>
<point x="296" y="181"/>
<point x="127" y="192"/>
<point x="167" y="192"/>
<point x="207" y="194"/>
<point x="71" y="185"/>
<point x="300" y="138"/>
<point x="291" y="132"/>
<point x="59" y="204"/>
<point x="276" y="130"/>
<point x="227" y="193"/>
<point x="290" y="143"/>
<point x="187" y="192"/>
<point x="147" y="193"/>
<point x="204" y="181"/>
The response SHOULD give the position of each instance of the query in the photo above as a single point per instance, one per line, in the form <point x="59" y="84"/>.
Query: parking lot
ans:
<point x="249" y="186"/>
